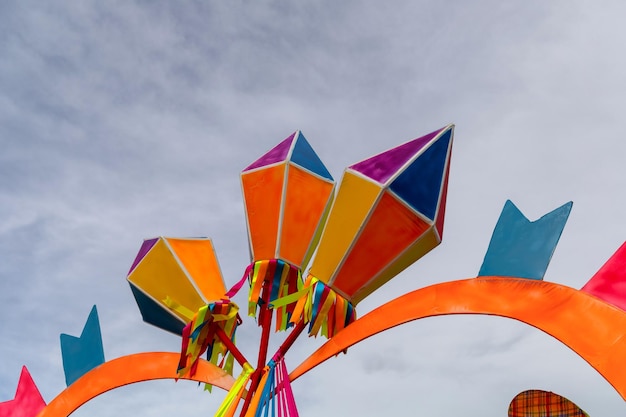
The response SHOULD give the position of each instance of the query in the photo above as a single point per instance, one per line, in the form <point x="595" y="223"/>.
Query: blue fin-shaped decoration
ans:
<point x="82" y="354"/>
<point x="521" y="248"/>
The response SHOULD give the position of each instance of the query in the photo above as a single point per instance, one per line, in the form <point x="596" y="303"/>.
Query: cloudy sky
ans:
<point x="121" y="121"/>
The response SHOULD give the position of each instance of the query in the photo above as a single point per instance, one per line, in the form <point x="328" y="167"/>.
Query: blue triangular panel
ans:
<point x="82" y="354"/>
<point x="153" y="313"/>
<point x="304" y="155"/>
<point x="420" y="183"/>
<point x="521" y="248"/>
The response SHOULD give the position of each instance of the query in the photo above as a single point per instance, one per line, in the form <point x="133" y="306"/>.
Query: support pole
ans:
<point x="265" y="317"/>
<point x="289" y="341"/>
<point x="231" y="346"/>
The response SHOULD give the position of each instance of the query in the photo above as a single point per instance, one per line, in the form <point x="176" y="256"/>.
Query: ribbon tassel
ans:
<point x="274" y="394"/>
<point x="200" y="335"/>
<point x="323" y="309"/>
<point x="282" y="281"/>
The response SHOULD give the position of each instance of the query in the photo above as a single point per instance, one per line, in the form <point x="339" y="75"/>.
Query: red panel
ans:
<point x="391" y="228"/>
<point x="442" y="202"/>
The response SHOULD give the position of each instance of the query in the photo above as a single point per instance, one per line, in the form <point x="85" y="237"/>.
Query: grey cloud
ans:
<point x="126" y="120"/>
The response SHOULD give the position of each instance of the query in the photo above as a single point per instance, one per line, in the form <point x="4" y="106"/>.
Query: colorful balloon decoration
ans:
<point x="388" y="213"/>
<point x="534" y="402"/>
<point x="316" y="251"/>
<point x="178" y="286"/>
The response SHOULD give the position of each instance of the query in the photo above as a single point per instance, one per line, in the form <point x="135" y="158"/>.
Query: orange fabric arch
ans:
<point x="589" y="326"/>
<point x="126" y="370"/>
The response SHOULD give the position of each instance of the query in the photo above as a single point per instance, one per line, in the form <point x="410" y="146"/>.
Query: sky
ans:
<point x="126" y="120"/>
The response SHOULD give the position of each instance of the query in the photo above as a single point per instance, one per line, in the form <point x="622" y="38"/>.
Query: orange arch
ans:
<point x="590" y="327"/>
<point x="126" y="370"/>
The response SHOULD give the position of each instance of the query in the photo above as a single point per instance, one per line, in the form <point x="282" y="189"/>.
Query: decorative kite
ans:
<point x="287" y="194"/>
<point x="178" y="286"/>
<point x="82" y="354"/>
<point x="387" y="213"/>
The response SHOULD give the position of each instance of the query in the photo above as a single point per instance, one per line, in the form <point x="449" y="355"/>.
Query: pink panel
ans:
<point x="28" y="401"/>
<point x="609" y="283"/>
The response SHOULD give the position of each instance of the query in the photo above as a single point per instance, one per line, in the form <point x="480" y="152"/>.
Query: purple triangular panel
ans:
<point x="278" y="153"/>
<point x="384" y="165"/>
<point x="145" y="248"/>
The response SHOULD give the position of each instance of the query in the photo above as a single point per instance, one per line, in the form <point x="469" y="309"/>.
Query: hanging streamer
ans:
<point x="285" y="392"/>
<point x="326" y="311"/>
<point x="274" y="394"/>
<point x="230" y="403"/>
<point x="200" y="335"/>
<point x="274" y="282"/>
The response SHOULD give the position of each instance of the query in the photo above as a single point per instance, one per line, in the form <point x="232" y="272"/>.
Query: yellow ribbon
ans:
<point x="229" y="405"/>
<point x="177" y="307"/>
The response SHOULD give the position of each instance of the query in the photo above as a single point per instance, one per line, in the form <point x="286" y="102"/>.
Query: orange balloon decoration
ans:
<point x="129" y="370"/>
<point x="598" y="335"/>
